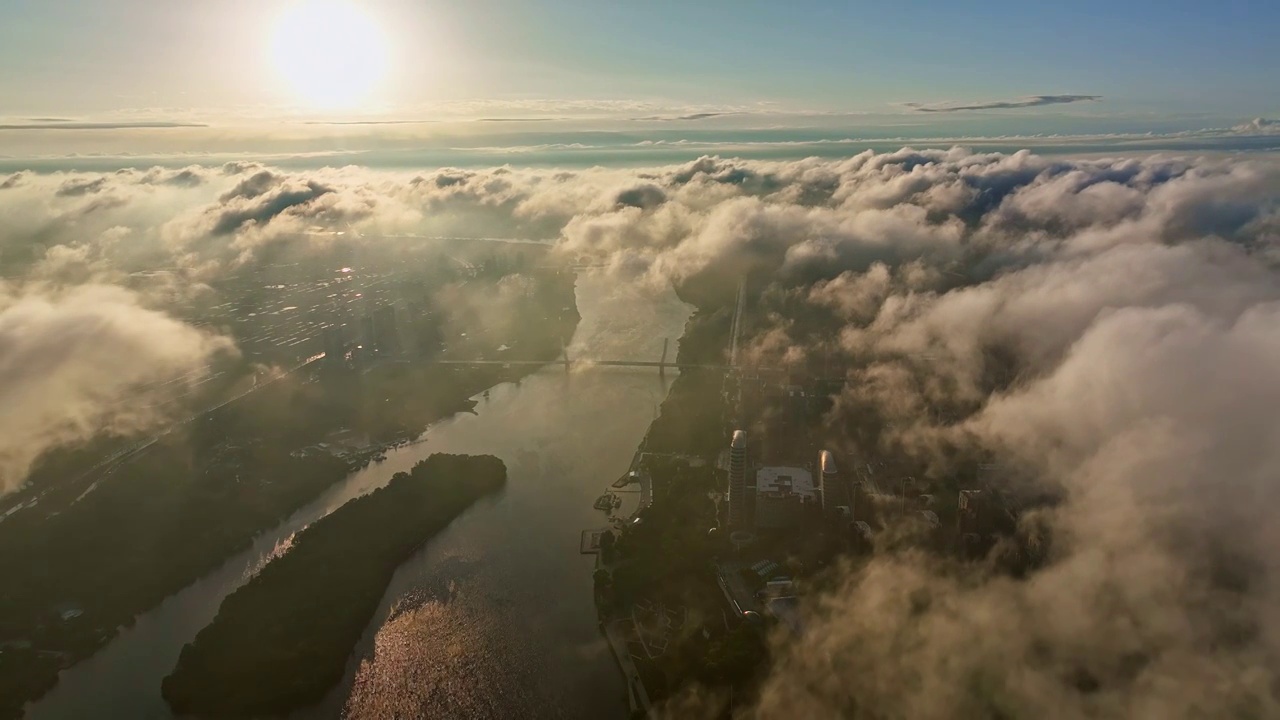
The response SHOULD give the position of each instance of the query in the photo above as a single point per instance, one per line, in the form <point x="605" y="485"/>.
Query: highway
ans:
<point x="737" y="323"/>
<point x="121" y="456"/>
<point x="605" y="363"/>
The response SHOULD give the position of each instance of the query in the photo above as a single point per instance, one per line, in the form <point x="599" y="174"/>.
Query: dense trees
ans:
<point x="117" y="541"/>
<point x="282" y="640"/>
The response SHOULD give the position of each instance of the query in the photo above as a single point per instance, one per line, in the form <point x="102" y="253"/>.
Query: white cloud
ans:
<point x="1108" y="325"/>
<point x="86" y="361"/>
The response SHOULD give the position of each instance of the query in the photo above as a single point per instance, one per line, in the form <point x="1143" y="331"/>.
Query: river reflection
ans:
<point x="494" y="617"/>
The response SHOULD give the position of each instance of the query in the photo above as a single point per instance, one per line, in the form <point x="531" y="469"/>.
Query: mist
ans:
<point x="1108" y="327"/>
<point x="88" y="361"/>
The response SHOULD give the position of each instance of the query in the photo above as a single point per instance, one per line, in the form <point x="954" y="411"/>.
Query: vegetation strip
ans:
<point x="281" y="641"/>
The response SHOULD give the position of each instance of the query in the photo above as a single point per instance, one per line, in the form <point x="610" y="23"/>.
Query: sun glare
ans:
<point x="331" y="54"/>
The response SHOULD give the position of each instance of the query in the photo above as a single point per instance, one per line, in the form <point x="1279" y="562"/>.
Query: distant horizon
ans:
<point x="80" y="58"/>
<point x="576" y="143"/>
<point x="1016" y="265"/>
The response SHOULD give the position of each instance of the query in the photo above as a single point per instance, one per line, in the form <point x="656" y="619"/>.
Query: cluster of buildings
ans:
<point x="777" y="497"/>
<point x="351" y="447"/>
<point x="784" y="495"/>
<point x="378" y="336"/>
<point x="992" y="509"/>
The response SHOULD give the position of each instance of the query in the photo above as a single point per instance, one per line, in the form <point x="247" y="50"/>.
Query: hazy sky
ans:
<point x="219" y="58"/>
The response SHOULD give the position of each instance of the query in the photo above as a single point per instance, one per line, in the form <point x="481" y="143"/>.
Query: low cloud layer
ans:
<point x="1258" y="126"/>
<point x="1024" y="102"/>
<point x="690" y="116"/>
<point x="1106" y="327"/>
<point x="66" y="124"/>
<point x="1158" y="598"/>
<point x="87" y="361"/>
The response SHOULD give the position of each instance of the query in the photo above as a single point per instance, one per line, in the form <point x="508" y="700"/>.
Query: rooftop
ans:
<point x="828" y="462"/>
<point x="787" y="610"/>
<point x="781" y="481"/>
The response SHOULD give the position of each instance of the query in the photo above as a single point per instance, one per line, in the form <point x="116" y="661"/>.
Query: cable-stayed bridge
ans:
<point x="568" y="362"/>
<point x="662" y="364"/>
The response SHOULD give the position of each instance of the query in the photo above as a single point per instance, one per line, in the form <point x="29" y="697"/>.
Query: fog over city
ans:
<point x="1107" y="328"/>
<point x="716" y="360"/>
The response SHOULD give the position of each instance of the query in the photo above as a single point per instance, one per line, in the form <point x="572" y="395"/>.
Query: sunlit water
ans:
<point x="494" y="617"/>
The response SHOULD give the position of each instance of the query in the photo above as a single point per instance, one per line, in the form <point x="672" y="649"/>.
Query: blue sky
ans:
<point x="1220" y="58"/>
<point x="858" y="55"/>
<point x="611" y="81"/>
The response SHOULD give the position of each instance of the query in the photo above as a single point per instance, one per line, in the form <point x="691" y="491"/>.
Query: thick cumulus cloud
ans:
<point x="1258" y="126"/>
<point x="1158" y="599"/>
<point x="1108" y="327"/>
<point x="83" y="361"/>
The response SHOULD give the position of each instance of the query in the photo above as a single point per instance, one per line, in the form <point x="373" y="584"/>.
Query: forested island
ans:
<point x="281" y="641"/>
<point x="117" y="541"/>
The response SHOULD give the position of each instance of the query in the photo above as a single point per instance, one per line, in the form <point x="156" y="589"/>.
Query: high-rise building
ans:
<point x="386" y="332"/>
<point x="335" y="351"/>
<point x="828" y="478"/>
<point x="738" y="480"/>
<point x="419" y="329"/>
<point x="368" y="338"/>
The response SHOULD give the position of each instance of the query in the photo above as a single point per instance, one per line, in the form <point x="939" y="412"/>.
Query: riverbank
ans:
<point x="655" y="596"/>
<point x="494" y="618"/>
<point x="180" y="509"/>
<point x="452" y="636"/>
<point x="279" y="642"/>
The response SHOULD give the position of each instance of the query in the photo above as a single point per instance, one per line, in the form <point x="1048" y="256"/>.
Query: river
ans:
<point x="494" y="617"/>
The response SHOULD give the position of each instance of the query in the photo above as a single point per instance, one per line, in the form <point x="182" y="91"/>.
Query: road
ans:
<point x="113" y="461"/>
<point x="737" y="323"/>
<point x="618" y="641"/>
<point x="604" y="363"/>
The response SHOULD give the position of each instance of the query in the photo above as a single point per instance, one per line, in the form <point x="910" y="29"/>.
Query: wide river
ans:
<point x="494" y="617"/>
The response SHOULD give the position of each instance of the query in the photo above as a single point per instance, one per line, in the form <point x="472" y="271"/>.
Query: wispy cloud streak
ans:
<point x="1025" y="102"/>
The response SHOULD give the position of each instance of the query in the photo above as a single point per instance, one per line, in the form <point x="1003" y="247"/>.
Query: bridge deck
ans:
<point x="562" y="361"/>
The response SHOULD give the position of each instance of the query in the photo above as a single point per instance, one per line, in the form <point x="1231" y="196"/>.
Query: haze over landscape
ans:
<point x="377" y="297"/>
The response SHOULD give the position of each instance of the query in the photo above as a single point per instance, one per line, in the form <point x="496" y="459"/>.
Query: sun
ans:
<point x="330" y="53"/>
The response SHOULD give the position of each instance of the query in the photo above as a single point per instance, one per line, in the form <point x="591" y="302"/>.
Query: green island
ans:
<point x="117" y="540"/>
<point x="281" y="641"/>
